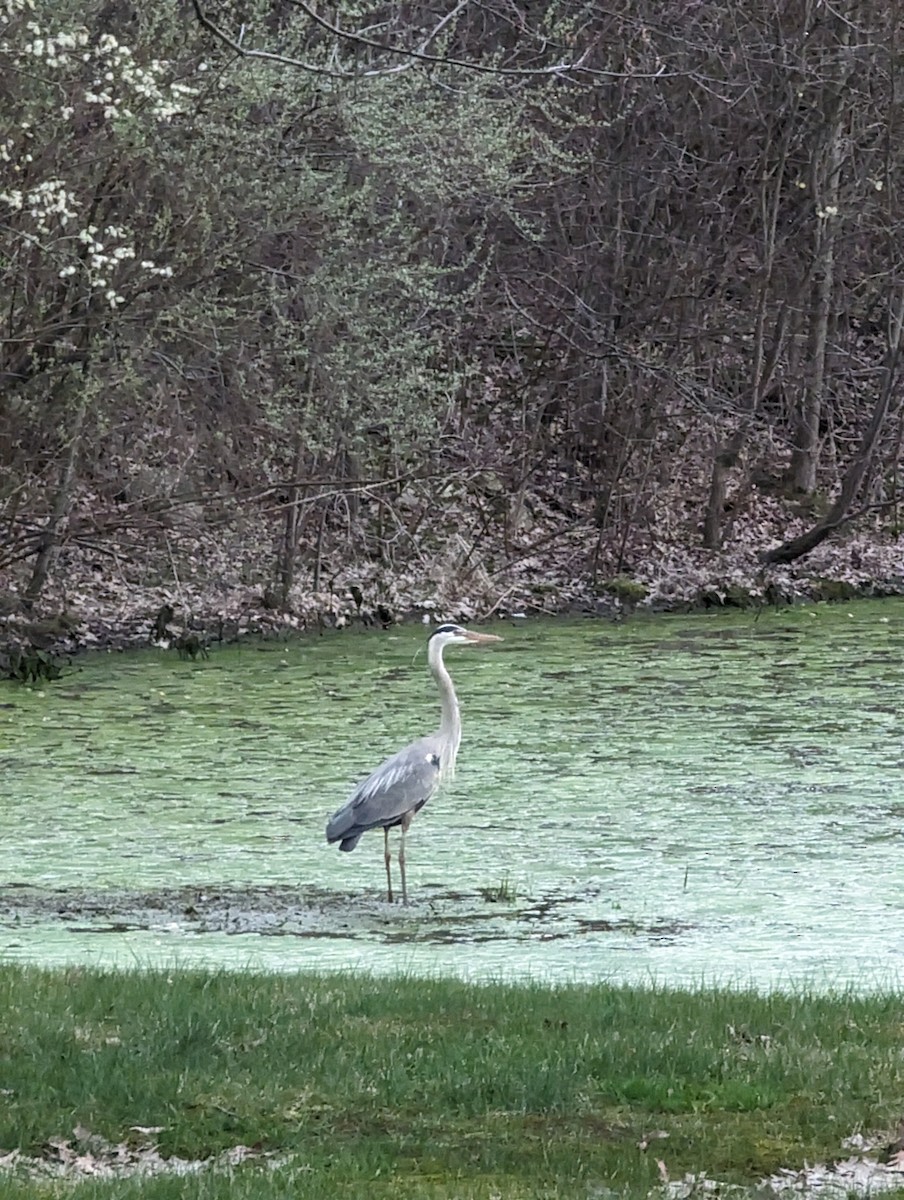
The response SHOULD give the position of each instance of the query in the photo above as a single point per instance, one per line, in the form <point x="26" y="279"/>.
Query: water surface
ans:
<point x="687" y="798"/>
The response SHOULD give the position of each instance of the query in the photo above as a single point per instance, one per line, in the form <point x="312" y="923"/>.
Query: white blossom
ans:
<point x="117" y="82"/>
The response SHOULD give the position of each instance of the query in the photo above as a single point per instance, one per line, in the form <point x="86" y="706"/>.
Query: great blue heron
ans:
<point x="404" y="783"/>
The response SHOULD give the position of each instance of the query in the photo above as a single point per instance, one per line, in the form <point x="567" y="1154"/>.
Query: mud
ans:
<point x="435" y="915"/>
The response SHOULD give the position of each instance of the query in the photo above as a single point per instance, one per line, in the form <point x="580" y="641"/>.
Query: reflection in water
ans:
<point x="687" y="799"/>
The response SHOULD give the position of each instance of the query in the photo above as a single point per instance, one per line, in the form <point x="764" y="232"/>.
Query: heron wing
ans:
<point x="404" y="782"/>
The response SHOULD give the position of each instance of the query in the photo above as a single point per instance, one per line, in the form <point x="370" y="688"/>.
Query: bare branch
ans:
<point x="416" y="55"/>
<point x="267" y="55"/>
<point x="422" y="56"/>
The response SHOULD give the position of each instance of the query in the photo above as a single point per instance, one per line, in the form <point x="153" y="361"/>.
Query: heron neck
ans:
<point x="450" y="725"/>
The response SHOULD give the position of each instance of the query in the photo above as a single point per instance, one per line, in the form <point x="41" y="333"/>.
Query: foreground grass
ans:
<point x="412" y="1088"/>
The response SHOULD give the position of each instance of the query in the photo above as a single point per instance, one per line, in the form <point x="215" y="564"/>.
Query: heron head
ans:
<point x="457" y="635"/>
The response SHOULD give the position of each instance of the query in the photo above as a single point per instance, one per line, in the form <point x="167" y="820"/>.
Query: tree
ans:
<point x="628" y="269"/>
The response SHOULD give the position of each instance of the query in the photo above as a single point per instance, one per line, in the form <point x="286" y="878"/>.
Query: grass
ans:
<point x="504" y="892"/>
<point x="413" y="1088"/>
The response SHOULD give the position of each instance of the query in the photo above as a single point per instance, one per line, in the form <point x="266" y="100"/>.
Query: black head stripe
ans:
<point x="446" y="629"/>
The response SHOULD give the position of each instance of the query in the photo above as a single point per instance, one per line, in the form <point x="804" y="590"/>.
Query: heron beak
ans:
<point x="481" y="637"/>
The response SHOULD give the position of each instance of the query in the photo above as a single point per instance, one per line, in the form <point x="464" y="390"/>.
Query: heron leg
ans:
<point x="406" y="821"/>
<point x="387" y="857"/>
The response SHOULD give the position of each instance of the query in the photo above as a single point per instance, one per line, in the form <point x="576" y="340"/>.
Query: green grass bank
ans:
<point x="351" y="1086"/>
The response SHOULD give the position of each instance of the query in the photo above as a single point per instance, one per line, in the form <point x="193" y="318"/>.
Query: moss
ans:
<point x="737" y="596"/>
<point x="42" y="633"/>
<point x="733" y="596"/>
<point x="629" y="591"/>
<point x="834" y="589"/>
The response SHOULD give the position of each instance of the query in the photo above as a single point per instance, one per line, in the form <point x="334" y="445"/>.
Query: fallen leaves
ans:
<point x="88" y="1155"/>
<point x="859" y="1175"/>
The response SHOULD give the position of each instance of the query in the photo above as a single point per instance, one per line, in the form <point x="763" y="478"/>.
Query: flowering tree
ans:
<point x="79" y="259"/>
<point x="217" y="263"/>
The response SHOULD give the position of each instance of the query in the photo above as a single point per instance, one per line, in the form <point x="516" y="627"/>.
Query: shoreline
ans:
<point x="69" y="632"/>
<point x="221" y="590"/>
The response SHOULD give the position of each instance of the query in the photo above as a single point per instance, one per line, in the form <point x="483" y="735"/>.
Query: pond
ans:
<point x="681" y="799"/>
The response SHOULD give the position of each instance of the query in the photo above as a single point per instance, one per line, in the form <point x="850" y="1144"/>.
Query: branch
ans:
<point x="267" y="55"/>
<point x="413" y="55"/>
<point x="422" y="56"/>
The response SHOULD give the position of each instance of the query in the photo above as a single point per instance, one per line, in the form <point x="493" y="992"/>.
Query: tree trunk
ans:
<point x="49" y="545"/>
<point x="726" y="458"/>
<point x="805" y="452"/>
<point x="826" y="190"/>
<point x="292" y="520"/>
<point x="727" y="455"/>
<point x="729" y="452"/>
<point x="838" y="514"/>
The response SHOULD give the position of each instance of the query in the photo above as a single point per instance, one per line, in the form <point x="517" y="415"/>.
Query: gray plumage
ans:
<point x="404" y="782"/>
